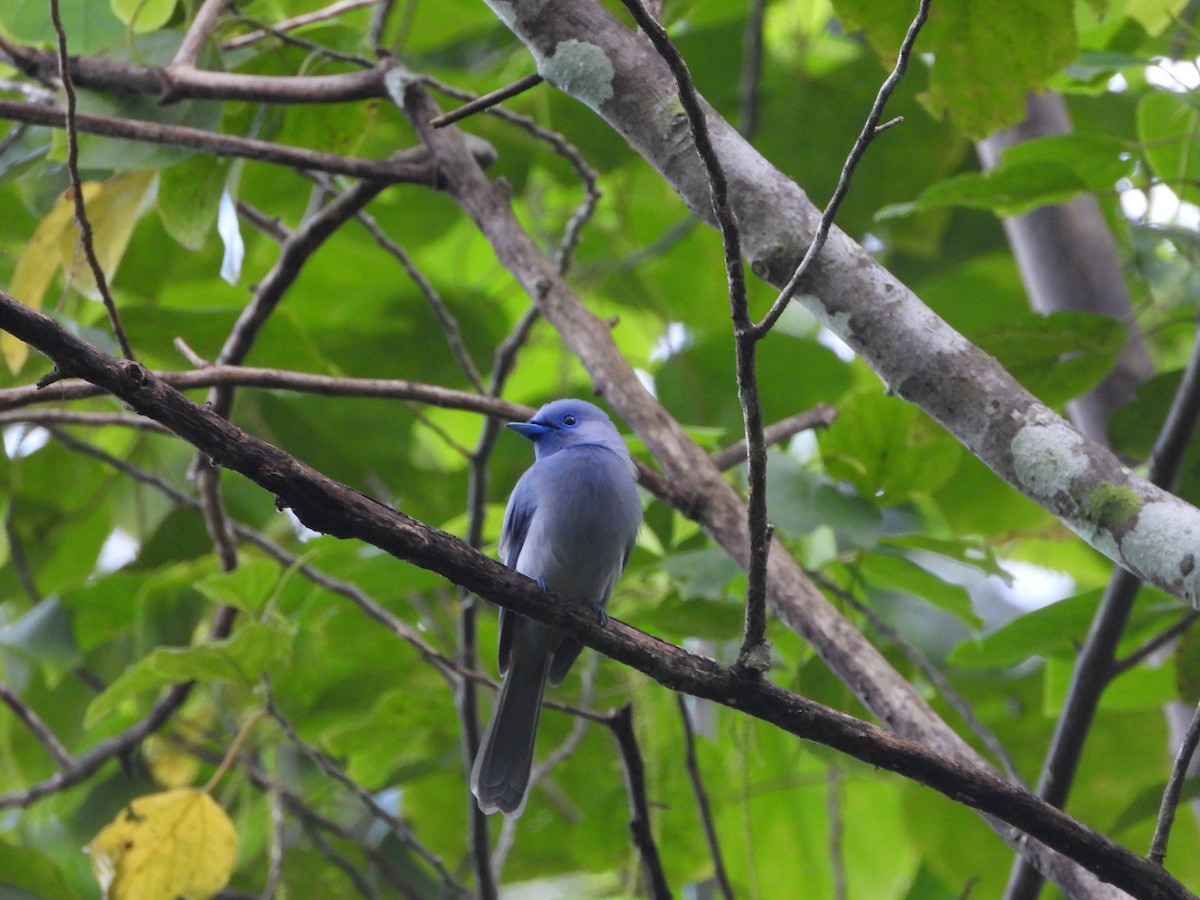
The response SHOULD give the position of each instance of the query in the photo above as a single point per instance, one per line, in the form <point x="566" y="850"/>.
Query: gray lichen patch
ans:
<point x="582" y="70"/>
<point x="1164" y="543"/>
<point x="1048" y="457"/>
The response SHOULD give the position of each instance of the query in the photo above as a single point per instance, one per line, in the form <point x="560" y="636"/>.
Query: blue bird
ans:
<point x="570" y="525"/>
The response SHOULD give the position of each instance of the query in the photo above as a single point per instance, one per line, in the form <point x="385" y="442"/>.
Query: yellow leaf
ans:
<point x="35" y="269"/>
<point x="112" y="210"/>
<point x="171" y="765"/>
<point x="179" y="843"/>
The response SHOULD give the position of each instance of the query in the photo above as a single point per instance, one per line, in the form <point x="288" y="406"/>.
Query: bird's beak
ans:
<point x="531" y="430"/>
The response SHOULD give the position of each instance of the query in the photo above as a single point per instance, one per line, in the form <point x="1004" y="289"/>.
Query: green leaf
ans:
<point x="29" y="870"/>
<point x="188" y="197"/>
<point x="1059" y="356"/>
<point x="987" y="56"/>
<point x="241" y="658"/>
<point x="1187" y="667"/>
<point x="702" y="573"/>
<point x="1053" y="629"/>
<point x="44" y="635"/>
<point x="248" y="587"/>
<point x="1148" y="802"/>
<point x="895" y="573"/>
<point x="1031" y="174"/>
<point x="888" y="449"/>
<point x="144" y="15"/>
<point x="1169" y="129"/>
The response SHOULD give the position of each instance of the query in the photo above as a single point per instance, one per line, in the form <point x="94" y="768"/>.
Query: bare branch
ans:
<point x="870" y="130"/>
<point x="198" y="32"/>
<point x="187" y="83"/>
<point x="38" y="728"/>
<point x="486" y="100"/>
<point x="1170" y="800"/>
<point x="319" y="15"/>
<point x="437" y="306"/>
<point x="702" y="804"/>
<point x="754" y="655"/>
<point x="85" y="226"/>
<point x="621" y="724"/>
<point x="331" y="770"/>
<point x="408" y="167"/>
<point x="302" y="244"/>
<point x="820" y="416"/>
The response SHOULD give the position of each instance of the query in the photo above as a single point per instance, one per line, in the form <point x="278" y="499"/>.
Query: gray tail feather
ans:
<point x="500" y="776"/>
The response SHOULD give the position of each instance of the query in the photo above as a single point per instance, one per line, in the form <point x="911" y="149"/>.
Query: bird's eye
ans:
<point x="568" y="420"/>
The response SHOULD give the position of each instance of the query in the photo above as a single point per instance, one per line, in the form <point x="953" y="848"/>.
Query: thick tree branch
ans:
<point x="326" y="505"/>
<point x="915" y="352"/>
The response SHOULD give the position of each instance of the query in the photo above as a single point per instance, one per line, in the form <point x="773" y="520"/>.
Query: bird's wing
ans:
<point x="517" y="516"/>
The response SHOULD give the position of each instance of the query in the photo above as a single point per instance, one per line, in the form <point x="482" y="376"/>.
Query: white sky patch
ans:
<point x="647" y="381"/>
<point x="840" y="348"/>
<point x="303" y="532"/>
<point x="1161" y="206"/>
<point x="231" y="234"/>
<point x="1117" y="84"/>
<point x="1176" y="75"/>
<point x="676" y="339"/>
<point x="873" y="244"/>
<point x="1033" y="586"/>
<point x="120" y="549"/>
<point x="24" y="440"/>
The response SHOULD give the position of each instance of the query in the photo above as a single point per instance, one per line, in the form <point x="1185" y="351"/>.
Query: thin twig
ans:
<point x="312" y="46"/>
<point x="833" y="808"/>
<point x="38" y="728"/>
<point x="119" y="744"/>
<point x="621" y="723"/>
<point x="319" y="15"/>
<point x="331" y="770"/>
<point x="292" y="256"/>
<point x="275" y="848"/>
<point x="1170" y="800"/>
<point x="81" y="217"/>
<point x="360" y="881"/>
<point x="869" y="132"/>
<point x="752" y="54"/>
<point x="437" y="305"/>
<point x="198" y="32"/>
<point x="934" y="676"/>
<point x="754" y="656"/>
<point x="71" y="417"/>
<point x="1156" y="643"/>
<point x="284" y="557"/>
<point x="820" y="416"/>
<point x="486" y="100"/>
<point x="16" y="552"/>
<point x="406" y="167"/>
<point x="702" y="803"/>
<point x="564" y="148"/>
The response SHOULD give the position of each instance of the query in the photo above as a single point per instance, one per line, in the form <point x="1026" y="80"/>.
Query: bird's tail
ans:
<point x="501" y="773"/>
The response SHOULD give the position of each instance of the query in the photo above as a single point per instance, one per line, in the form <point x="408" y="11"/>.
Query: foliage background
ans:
<point x="883" y="504"/>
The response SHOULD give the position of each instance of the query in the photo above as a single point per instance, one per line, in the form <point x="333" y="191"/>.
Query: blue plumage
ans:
<point x="570" y="525"/>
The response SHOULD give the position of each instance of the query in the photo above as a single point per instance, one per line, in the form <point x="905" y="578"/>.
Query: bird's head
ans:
<point x="569" y="423"/>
